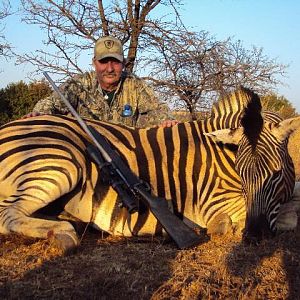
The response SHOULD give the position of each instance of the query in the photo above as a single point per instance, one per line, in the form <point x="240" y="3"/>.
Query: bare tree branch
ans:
<point x="104" y="21"/>
<point x="5" y="47"/>
<point x="76" y="24"/>
<point x="197" y="69"/>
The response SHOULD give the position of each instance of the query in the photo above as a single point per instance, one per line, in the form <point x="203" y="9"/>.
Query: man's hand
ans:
<point x="168" y="123"/>
<point x="31" y="114"/>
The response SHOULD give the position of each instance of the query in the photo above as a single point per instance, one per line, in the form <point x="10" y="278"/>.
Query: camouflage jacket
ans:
<point x="86" y="96"/>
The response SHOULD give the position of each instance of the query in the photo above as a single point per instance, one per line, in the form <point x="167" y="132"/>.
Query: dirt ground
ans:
<point x="146" y="268"/>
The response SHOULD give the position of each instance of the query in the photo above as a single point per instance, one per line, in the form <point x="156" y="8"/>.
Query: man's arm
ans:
<point x="45" y="106"/>
<point x="49" y="105"/>
<point x="53" y="105"/>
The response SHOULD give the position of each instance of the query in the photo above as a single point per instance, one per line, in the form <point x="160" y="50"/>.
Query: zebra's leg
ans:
<point x="14" y="220"/>
<point x="287" y="218"/>
<point x="16" y="213"/>
<point x="220" y="225"/>
<point x="296" y="196"/>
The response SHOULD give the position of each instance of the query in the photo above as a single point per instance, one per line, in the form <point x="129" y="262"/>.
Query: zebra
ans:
<point x="231" y="168"/>
<point x="265" y="168"/>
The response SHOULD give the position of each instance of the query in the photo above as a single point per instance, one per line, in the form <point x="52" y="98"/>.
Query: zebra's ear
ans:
<point x="226" y="136"/>
<point x="285" y="128"/>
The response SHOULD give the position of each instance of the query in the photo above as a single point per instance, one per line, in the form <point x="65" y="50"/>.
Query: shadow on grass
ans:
<point x="269" y="269"/>
<point x="101" y="268"/>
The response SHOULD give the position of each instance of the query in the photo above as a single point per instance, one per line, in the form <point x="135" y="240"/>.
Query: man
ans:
<point x="109" y="93"/>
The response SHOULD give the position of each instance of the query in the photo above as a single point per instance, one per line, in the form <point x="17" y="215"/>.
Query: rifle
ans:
<point x="127" y="185"/>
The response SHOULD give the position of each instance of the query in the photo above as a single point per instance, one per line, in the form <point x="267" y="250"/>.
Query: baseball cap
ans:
<point x="108" y="46"/>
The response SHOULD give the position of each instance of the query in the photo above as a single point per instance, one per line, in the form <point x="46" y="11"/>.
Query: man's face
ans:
<point x="109" y="72"/>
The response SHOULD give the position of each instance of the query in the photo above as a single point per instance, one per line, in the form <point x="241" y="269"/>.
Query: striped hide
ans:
<point x="215" y="172"/>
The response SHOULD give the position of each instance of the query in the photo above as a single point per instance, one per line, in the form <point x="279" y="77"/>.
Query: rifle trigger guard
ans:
<point x="145" y="184"/>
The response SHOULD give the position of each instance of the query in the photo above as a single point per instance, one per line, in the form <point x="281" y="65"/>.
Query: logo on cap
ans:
<point x="109" y="44"/>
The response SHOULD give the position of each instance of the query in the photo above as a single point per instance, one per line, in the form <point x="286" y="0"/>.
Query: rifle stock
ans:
<point x="183" y="236"/>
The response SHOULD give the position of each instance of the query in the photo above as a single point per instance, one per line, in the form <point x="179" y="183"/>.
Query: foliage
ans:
<point x="18" y="99"/>
<point x="279" y="104"/>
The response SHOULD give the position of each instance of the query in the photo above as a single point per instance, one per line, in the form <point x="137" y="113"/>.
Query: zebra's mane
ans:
<point x="271" y="117"/>
<point x="229" y="109"/>
<point x="252" y="120"/>
<point x="240" y="108"/>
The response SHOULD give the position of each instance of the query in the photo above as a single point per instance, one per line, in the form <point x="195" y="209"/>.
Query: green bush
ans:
<point x="18" y="99"/>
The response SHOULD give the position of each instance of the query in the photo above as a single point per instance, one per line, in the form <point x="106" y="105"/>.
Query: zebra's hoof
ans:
<point x="221" y="225"/>
<point x="287" y="218"/>
<point x="66" y="242"/>
<point x="287" y="221"/>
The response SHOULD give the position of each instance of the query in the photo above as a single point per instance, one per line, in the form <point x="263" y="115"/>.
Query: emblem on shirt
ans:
<point x="109" y="44"/>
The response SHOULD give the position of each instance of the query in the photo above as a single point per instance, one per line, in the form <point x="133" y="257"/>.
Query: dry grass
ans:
<point x="114" y="268"/>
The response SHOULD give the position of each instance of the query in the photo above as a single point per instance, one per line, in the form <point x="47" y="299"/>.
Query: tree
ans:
<point x="279" y="104"/>
<point x="18" y="99"/>
<point x="73" y="26"/>
<point x="188" y="69"/>
<point x="5" y="47"/>
<point x="197" y="69"/>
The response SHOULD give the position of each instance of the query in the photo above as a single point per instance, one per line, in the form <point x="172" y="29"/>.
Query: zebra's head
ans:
<point x="263" y="163"/>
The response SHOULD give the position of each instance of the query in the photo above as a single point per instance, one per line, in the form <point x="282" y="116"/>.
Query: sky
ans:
<point x="269" y="24"/>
